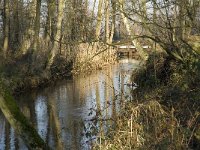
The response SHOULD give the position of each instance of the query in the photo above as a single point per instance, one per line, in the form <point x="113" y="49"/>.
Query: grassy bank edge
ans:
<point x="164" y="112"/>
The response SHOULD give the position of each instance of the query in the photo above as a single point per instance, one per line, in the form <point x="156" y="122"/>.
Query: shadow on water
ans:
<point x="66" y="115"/>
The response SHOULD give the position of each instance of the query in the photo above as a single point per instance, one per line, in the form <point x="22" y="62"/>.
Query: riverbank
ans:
<point x="77" y="100"/>
<point x="165" y="109"/>
<point x="20" y="76"/>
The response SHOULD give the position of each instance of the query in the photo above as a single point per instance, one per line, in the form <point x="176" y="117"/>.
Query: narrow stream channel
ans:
<point x="64" y="114"/>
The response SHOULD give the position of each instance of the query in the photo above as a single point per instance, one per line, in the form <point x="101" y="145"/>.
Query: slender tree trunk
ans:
<point x="6" y="27"/>
<point x="181" y="20"/>
<point x="99" y="19"/>
<point x="144" y="13"/>
<point x="30" y="31"/>
<point x="154" y="11"/>
<point x="37" y="26"/>
<point x="113" y="2"/>
<point x="58" y="34"/>
<point x="50" y="27"/>
<point x="85" y="21"/>
<point x="93" y="9"/>
<point x="175" y="23"/>
<point x="15" y="38"/>
<point x="35" y="44"/>
<point x="139" y="48"/>
<point x="107" y="14"/>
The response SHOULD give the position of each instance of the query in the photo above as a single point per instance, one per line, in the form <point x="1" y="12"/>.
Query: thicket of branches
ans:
<point x="51" y="27"/>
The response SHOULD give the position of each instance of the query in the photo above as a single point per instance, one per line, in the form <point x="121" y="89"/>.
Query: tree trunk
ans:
<point x="18" y="121"/>
<point x="99" y="19"/>
<point x="50" y="26"/>
<point x="113" y="20"/>
<point x="15" y="38"/>
<point x="107" y="14"/>
<point x="37" y="26"/>
<point x="139" y="48"/>
<point x="57" y="38"/>
<point x="30" y="31"/>
<point x="85" y="21"/>
<point x="93" y="9"/>
<point x="6" y="27"/>
<point x="144" y="13"/>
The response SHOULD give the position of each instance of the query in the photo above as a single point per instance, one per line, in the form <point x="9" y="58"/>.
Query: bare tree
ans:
<point x="99" y="19"/>
<point x="107" y="15"/>
<point x="135" y="42"/>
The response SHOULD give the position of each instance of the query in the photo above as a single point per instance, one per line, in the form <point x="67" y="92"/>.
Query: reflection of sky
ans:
<point x="12" y="139"/>
<point x="41" y="116"/>
<point x="2" y="132"/>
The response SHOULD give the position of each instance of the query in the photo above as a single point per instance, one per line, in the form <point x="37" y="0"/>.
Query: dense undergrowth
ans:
<point x="164" y="113"/>
<point x="19" y="75"/>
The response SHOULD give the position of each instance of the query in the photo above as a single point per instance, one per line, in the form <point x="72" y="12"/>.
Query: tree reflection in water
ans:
<point x="72" y="113"/>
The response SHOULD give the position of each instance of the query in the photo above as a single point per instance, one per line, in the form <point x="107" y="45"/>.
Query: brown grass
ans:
<point x="146" y="126"/>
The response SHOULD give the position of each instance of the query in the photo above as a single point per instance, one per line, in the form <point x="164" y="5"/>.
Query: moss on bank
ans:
<point x="164" y="113"/>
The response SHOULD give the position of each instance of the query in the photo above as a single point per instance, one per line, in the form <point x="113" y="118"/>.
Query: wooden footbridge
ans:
<point x="128" y="50"/>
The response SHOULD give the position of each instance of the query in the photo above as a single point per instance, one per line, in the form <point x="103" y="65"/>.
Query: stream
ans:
<point x="71" y="114"/>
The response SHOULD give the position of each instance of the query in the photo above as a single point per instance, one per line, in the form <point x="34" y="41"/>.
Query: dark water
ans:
<point x="66" y="114"/>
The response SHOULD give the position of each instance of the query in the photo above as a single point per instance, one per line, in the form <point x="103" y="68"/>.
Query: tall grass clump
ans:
<point x="146" y="126"/>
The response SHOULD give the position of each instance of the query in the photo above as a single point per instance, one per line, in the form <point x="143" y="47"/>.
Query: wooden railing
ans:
<point x="128" y="50"/>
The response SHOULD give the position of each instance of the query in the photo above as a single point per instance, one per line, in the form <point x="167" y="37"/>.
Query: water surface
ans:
<point x="66" y="114"/>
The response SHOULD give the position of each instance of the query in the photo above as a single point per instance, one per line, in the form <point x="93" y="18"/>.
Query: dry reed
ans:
<point x="145" y="126"/>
